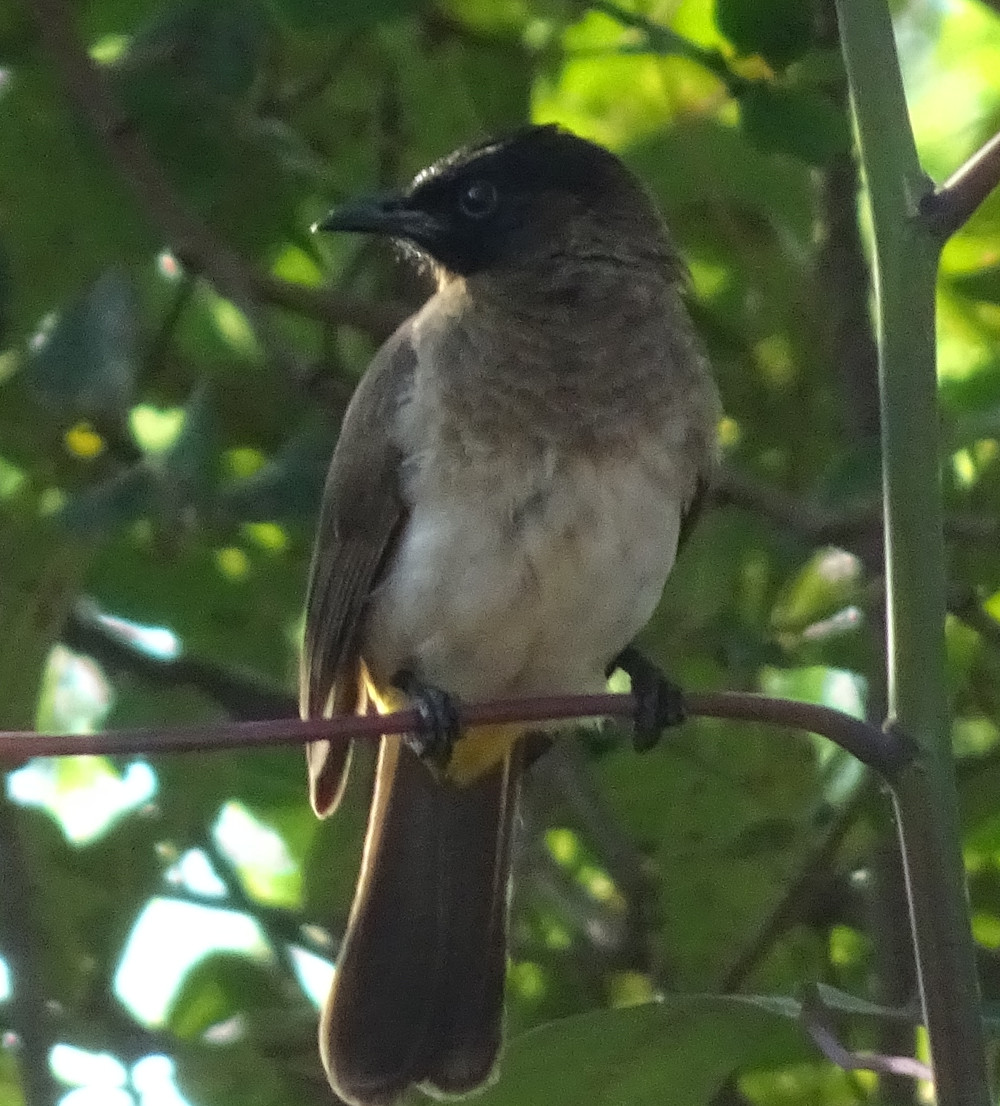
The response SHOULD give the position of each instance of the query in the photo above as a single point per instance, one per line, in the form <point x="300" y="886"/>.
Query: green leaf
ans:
<point x="724" y="816"/>
<point x="778" y="30"/>
<point x="237" y="1074"/>
<point x="85" y="364"/>
<point x="678" y="1051"/>
<point x="239" y="622"/>
<point x="701" y="161"/>
<point x="797" y="121"/>
<point x="331" y="865"/>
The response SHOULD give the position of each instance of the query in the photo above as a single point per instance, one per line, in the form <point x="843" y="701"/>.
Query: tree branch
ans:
<point x="887" y="753"/>
<point x="948" y="208"/>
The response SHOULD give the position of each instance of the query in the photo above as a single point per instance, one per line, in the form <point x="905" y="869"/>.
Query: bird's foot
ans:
<point x="659" y="704"/>
<point x="440" y="725"/>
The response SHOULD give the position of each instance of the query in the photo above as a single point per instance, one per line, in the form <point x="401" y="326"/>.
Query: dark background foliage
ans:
<point x="175" y="351"/>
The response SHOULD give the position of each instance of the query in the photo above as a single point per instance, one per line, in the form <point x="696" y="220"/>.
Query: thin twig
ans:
<point x="885" y="752"/>
<point x="87" y="630"/>
<point x="815" y="1019"/>
<point x="844" y="1058"/>
<point x="813" y="870"/>
<point x="664" y="40"/>
<point x="948" y="208"/>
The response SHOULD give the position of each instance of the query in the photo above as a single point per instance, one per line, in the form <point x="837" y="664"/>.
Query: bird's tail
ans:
<point x="418" y="992"/>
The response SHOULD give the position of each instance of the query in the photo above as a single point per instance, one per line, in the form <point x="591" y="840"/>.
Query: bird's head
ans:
<point x="537" y="197"/>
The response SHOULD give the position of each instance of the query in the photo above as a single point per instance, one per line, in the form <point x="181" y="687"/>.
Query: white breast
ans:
<point x="519" y="577"/>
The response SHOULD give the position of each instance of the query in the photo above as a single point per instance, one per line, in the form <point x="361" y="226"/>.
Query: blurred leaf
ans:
<point x="239" y="622"/>
<point x="85" y="364"/>
<point x="797" y="121"/>
<point x="217" y="988"/>
<point x="190" y="462"/>
<point x="981" y="284"/>
<point x="497" y="74"/>
<point x="702" y="161"/>
<point x="778" y="30"/>
<point x="852" y="478"/>
<point x="680" y="1050"/>
<point x="237" y="1074"/>
<point x="828" y="582"/>
<point x="287" y="486"/>
<point x="331" y="865"/>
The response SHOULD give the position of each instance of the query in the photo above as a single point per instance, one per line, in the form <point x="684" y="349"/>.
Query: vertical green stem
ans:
<point x="906" y="258"/>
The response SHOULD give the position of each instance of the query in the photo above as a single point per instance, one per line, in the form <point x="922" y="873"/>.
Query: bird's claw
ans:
<point x="440" y="725"/>
<point x="659" y="703"/>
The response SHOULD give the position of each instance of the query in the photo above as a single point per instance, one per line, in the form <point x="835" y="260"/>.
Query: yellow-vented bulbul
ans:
<point x="502" y="509"/>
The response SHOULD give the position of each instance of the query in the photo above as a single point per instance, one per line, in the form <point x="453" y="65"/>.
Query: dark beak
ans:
<point x="389" y="214"/>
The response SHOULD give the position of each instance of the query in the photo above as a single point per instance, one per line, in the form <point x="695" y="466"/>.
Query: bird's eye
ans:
<point x="479" y="200"/>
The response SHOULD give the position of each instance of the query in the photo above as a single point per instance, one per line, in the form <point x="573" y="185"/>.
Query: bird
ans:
<point x="512" y="479"/>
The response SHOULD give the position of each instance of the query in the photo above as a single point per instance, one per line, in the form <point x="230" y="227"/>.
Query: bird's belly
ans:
<point x="492" y="594"/>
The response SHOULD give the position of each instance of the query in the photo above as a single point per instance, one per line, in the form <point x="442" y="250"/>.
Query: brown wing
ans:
<point x="360" y="514"/>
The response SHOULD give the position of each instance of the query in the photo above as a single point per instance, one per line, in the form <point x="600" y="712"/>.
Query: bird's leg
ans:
<point x="659" y="703"/>
<point x="439" y="715"/>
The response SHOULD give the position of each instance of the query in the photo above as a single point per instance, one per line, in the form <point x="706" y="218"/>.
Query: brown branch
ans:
<point x="812" y="872"/>
<point x="825" y="525"/>
<point x="194" y="243"/>
<point x="884" y="752"/>
<point x="812" y="522"/>
<point x="948" y="208"/>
